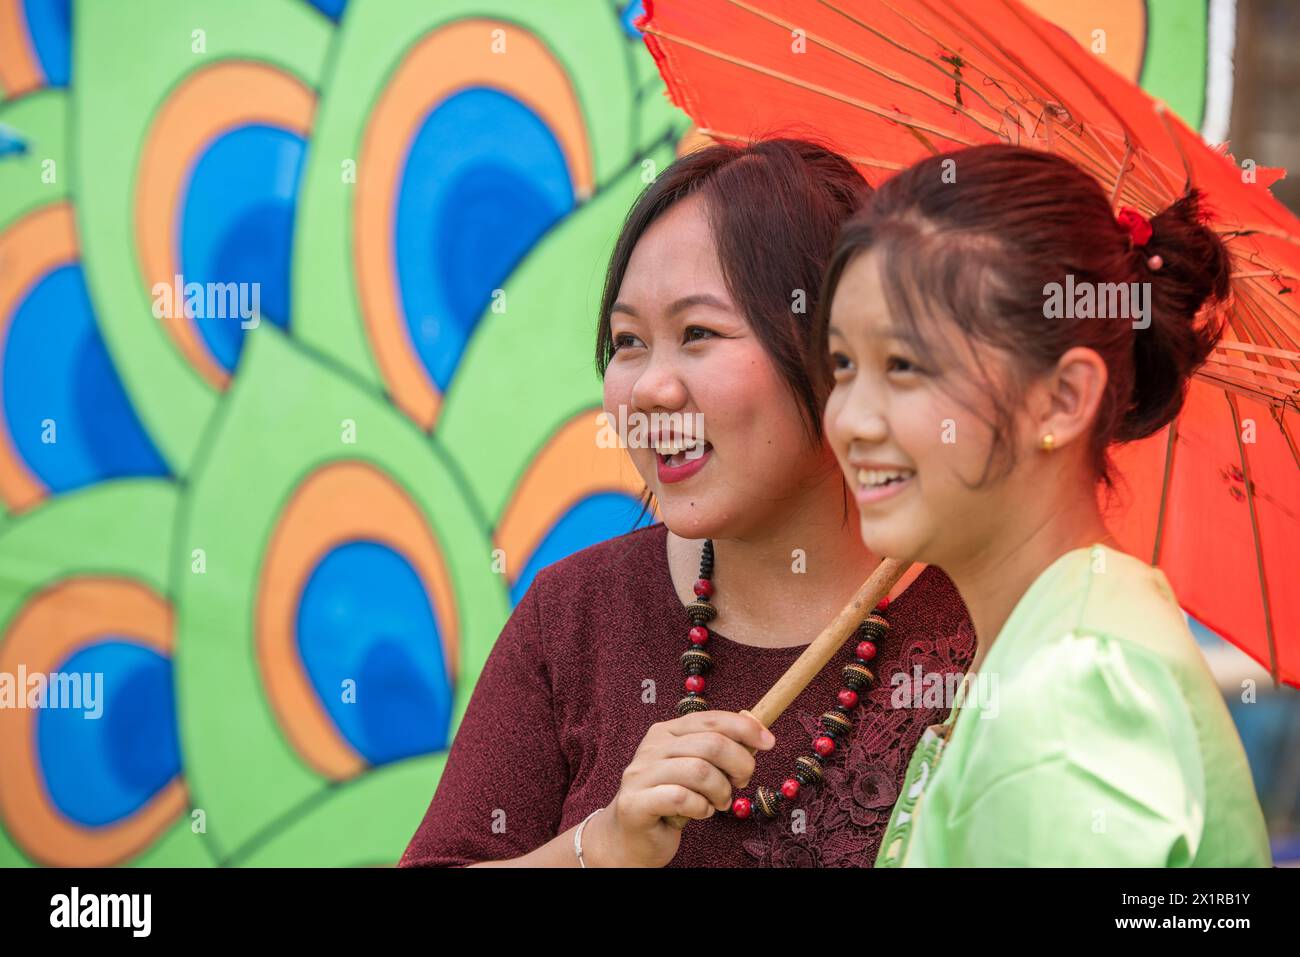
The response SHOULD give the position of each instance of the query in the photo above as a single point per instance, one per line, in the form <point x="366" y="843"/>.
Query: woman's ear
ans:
<point x="1074" y="391"/>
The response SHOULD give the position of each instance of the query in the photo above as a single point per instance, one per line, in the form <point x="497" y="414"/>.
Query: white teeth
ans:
<point x="678" y="447"/>
<point x="681" y="452"/>
<point x="876" y="477"/>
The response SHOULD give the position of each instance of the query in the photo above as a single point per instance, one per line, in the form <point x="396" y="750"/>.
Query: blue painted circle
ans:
<point x="64" y="387"/>
<point x="364" y="617"/>
<point x="483" y="180"/>
<point x="103" y="769"/>
<point x="237" y="227"/>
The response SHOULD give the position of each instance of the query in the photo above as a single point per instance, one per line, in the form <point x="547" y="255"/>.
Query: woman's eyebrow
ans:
<point x="685" y="302"/>
<point x="698" y="299"/>
<point x="896" y="333"/>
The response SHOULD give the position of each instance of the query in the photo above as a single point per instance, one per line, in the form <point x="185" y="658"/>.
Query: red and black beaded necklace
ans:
<point x="835" y="724"/>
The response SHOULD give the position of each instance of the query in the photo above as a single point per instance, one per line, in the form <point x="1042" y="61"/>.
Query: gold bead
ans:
<point x="811" y="767"/>
<point x="858" y="676"/>
<point x="1048" y="442"/>
<point x="690" y="705"/>
<point x="700" y="611"/>
<point x="834" y="719"/>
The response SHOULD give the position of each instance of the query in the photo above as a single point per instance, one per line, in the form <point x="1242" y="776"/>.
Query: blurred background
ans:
<point x="289" y="544"/>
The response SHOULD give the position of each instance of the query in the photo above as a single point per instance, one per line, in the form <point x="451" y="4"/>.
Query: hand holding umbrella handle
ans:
<point x="815" y="657"/>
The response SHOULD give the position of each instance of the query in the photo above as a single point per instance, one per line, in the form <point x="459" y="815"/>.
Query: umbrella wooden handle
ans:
<point x="814" y="658"/>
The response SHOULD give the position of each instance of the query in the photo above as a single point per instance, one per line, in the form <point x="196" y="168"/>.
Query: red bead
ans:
<point x="703" y="587"/>
<point x="848" y="697"/>
<point x="699" y="634"/>
<point x="741" y="807"/>
<point x="824" y="745"/>
<point x="866" y="650"/>
<point x="882" y="604"/>
<point x="695" y="683"/>
<point x="790" y="788"/>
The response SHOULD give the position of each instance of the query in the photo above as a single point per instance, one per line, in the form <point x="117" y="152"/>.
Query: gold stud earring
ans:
<point x="1048" y="442"/>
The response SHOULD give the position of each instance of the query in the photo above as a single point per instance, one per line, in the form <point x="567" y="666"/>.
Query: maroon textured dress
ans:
<point x="566" y="696"/>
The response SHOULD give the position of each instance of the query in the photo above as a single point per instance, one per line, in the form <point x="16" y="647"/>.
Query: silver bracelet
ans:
<point x="577" y="835"/>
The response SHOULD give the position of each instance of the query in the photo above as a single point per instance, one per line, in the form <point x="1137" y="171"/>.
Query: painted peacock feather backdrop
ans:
<point x="287" y="537"/>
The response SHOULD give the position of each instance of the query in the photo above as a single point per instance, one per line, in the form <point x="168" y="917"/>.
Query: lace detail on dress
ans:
<point x="846" y="815"/>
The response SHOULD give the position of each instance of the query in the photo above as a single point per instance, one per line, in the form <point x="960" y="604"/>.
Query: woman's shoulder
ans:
<point x="1100" y="593"/>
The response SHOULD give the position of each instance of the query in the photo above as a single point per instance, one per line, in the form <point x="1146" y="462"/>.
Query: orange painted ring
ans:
<point x="31" y="248"/>
<point x="444" y="62"/>
<point x="51" y="627"/>
<point x="339" y="503"/>
<point x="206" y="104"/>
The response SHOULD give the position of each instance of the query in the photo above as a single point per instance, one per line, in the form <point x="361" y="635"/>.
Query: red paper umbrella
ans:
<point x="1214" y="498"/>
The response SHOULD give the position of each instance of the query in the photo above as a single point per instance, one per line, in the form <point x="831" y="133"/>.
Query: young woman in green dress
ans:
<point x="972" y="414"/>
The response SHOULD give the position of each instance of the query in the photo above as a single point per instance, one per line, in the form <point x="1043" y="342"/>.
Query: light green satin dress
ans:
<point x="1093" y="735"/>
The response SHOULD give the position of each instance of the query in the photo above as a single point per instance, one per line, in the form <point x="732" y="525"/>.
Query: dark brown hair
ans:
<point x="977" y="236"/>
<point x="774" y="208"/>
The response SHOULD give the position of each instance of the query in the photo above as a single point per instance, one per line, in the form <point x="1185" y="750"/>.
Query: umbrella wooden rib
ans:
<point x="1171" y="447"/>
<point x="1260" y="350"/>
<point x="1255" y="299"/>
<point x="1255" y="541"/>
<point x="1245" y="323"/>
<point x="1156" y="191"/>
<point x="1259" y="368"/>
<point x="1254" y="284"/>
<point x="1243" y="387"/>
<point x="1279" y="420"/>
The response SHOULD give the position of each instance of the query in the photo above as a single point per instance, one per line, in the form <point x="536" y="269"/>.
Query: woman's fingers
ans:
<point x="695" y="773"/>
<point x="726" y="739"/>
<point x="668" y="800"/>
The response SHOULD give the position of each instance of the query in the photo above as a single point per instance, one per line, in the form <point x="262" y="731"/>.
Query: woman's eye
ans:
<point x="840" y="363"/>
<point x="693" y="329"/>
<point x="899" y="364"/>
<point x="623" y="339"/>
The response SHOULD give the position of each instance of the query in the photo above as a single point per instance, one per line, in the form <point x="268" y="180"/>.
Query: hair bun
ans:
<point x="1192" y="268"/>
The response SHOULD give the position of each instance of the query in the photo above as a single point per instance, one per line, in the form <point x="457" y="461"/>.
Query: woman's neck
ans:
<point x="993" y="580"/>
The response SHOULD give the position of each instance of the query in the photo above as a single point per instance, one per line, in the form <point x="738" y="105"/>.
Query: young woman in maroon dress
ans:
<point x="577" y="718"/>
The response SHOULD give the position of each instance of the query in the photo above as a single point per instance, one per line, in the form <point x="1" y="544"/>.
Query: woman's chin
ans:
<point x="688" y="517"/>
<point x="885" y="539"/>
<point x="685" y="524"/>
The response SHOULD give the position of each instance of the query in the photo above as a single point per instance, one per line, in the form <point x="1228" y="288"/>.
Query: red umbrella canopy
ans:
<point x="1213" y="499"/>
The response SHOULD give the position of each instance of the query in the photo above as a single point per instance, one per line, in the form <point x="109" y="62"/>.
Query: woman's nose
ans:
<point x="659" y="386"/>
<point x="860" y="417"/>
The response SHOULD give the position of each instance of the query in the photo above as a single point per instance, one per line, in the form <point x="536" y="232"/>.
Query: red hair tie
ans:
<point x="1135" y="224"/>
